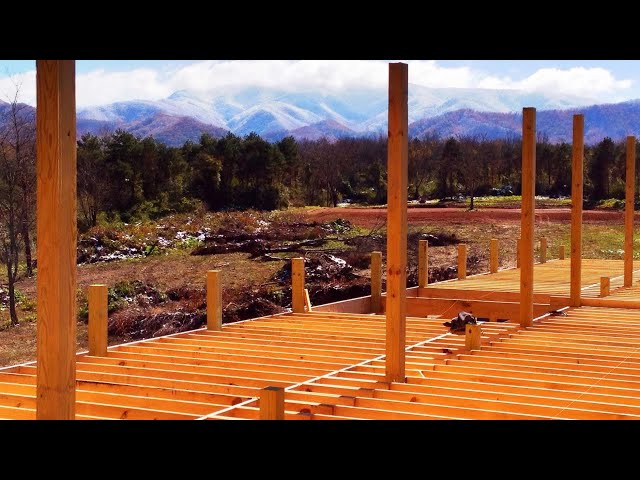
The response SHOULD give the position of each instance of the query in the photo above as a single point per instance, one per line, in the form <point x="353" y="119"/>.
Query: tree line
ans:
<point x="122" y="177"/>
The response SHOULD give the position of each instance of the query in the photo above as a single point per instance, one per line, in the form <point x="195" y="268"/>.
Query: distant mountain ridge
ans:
<point x="276" y="113"/>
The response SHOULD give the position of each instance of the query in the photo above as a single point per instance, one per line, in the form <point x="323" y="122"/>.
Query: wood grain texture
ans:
<point x="297" y="285"/>
<point x="272" y="403"/>
<point x="528" y="214"/>
<point x="56" y="239"/>
<point x="397" y="178"/>
<point x="577" y="173"/>
<point x="630" y="179"/>
<point x="214" y="300"/>
<point x="98" y="317"/>
<point x="472" y="334"/>
<point x="376" y="282"/>
<point x="605" y="286"/>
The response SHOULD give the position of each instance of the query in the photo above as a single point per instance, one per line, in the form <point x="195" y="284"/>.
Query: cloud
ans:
<point x="597" y="83"/>
<point x="104" y="86"/>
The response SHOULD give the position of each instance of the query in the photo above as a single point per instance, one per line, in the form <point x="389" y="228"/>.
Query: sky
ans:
<point x="100" y="82"/>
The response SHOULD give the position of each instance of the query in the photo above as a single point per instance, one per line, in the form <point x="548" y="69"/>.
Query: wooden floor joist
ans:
<point x="582" y="363"/>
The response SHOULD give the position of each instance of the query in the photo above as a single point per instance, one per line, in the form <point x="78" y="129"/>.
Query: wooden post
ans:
<point x="493" y="255"/>
<point x="297" y="285"/>
<point x="462" y="261"/>
<point x="630" y="176"/>
<point x="98" y="316"/>
<point x="376" y="282"/>
<point x="423" y="263"/>
<point x="56" y="239"/>
<point x="605" y="286"/>
<point x="307" y="300"/>
<point x="214" y="300"/>
<point x="561" y="252"/>
<point x="527" y="214"/>
<point x="518" y="248"/>
<point x="543" y="250"/>
<point x="272" y="403"/>
<point x="397" y="174"/>
<point x="577" y="171"/>
<point x="472" y="336"/>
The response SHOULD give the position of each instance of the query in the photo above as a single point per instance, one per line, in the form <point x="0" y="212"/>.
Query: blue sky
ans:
<point x="105" y="81"/>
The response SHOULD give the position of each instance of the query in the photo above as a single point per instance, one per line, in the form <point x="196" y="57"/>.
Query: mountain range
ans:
<point x="276" y="113"/>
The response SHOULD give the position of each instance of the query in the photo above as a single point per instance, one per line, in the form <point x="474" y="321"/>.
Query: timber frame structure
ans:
<point x="556" y="340"/>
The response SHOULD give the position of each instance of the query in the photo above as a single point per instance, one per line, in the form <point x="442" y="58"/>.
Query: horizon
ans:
<point x="102" y="82"/>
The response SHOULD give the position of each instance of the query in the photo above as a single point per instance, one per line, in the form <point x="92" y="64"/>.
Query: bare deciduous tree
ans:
<point x="17" y="189"/>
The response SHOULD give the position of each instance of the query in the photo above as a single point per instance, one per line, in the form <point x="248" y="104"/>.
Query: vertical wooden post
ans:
<point x="605" y="286"/>
<point x="472" y="336"/>
<point x="397" y="174"/>
<point x="527" y="215"/>
<point x="56" y="239"/>
<point x="98" y="316"/>
<point x="462" y="261"/>
<point x="493" y="255"/>
<point x="630" y="177"/>
<point x="518" y="249"/>
<point x="376" y="282"/>
<point x="561" y="252"/>
<point x="543" y="250"/>
<point x="297" y="285"/>
<point x="423" y="263"/>
<point x="307" y="300"/>
<point x="272" y="403"/>
<point x="577" y="171"/>
<point x="214" y="300"/>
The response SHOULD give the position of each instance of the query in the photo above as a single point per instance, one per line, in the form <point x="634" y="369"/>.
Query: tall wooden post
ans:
<point x="297" y="285"/>
<point x="493" y="255"/>
<point x="56" y="239"/>
<point x="462" y="261"/>
<point x="561" y="252"/>
<point x="423" y="263"/>
<point x="577" y="171"/>
<point x="376" y="282"/>
<point x="543" y="250"/>
<point x="272" y="403"/>
<point x="630" y="177"/>
<point x="98" y="315"/>
<point x="527" y="215"/>
<point x="397" y="173"/>
<point x="214" y="300"/>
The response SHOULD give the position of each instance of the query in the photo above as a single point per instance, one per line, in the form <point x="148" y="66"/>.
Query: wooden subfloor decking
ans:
<point x="582" y="365"/>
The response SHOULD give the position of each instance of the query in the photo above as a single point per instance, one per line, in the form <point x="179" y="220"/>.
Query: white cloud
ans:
<point x="596" y="83"/>
<point x="102" y="86"/>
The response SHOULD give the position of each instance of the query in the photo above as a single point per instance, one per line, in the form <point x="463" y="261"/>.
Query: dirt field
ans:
<point x="372" y="217"/>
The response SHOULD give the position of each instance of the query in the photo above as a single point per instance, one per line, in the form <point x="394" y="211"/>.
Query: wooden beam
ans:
<point x="397" y="174"/>
<point x="56" y="239"/>
<point x="630" y="176"/>
<point x="462" y="261"/>
<point x="297" y="285"/>
<point x="527" y="214"/>
<point x="605" y="286"/>
<point x="423" y="263"/>
<point x="272" y="403"/>
<point x="98" y="316"/>
<point x="518" y="250"/>
<point x="561" y="252"/>
<point x="376" y="282"/>
<point x="493" y="255"/>
<point x="492" y="309"/>
<point x="577" y="171"/>
<point x="214" y="300"/>
<point x="307" y="300"/>
<point x="472" y="337"/>
<point x="543" y="250"/>
<point x="435" y="292"/>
